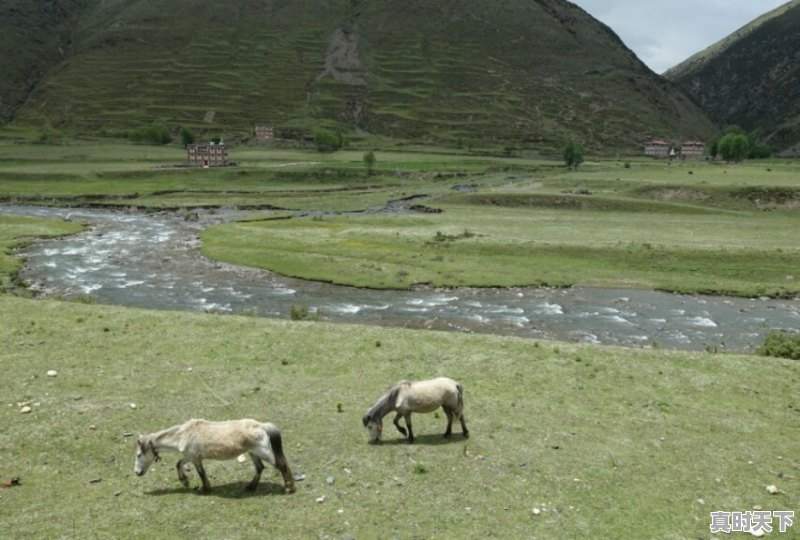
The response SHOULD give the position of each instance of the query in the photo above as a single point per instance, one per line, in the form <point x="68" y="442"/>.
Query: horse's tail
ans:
<point x="276" y="442"/>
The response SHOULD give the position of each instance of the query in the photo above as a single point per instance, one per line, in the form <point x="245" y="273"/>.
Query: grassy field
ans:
<point x="16" y="231"/>
<point x="504" y="221"/>
<point x="603" y="442"/>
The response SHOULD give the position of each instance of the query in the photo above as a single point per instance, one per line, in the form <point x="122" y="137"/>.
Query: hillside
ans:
<point x="752" y="77"/>
<point x="517" y="72"/>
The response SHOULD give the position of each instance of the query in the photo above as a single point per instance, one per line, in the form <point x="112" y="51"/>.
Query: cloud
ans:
<point x="664" y="33"/>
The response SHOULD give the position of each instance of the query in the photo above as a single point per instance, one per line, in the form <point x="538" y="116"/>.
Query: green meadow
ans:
<point x="567" y="441"/>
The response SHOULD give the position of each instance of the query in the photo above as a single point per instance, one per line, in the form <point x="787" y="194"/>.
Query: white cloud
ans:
<point x="663" y="33"/>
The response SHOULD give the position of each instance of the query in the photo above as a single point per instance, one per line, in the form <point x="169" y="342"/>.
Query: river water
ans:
<point x="151" y="261"/>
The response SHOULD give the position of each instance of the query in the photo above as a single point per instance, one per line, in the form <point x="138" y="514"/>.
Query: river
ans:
<point x="150" y="260"/>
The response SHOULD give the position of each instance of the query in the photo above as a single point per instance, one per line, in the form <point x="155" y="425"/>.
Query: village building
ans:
<point x="265" y="133"/>
<point x="657" y="148"/>
<point x="207" y="155"/>
<point x="693" y="149"/>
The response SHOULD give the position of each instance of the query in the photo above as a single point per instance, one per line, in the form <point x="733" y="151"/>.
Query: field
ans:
<point x="567" y="441"/>
<point x="480" y="220"/>
<point x="602" y="442"/>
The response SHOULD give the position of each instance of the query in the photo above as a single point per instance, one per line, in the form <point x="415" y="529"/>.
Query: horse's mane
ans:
<point x="386" y="402"/>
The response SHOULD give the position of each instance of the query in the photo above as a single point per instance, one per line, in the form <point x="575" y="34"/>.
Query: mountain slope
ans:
<point x="508" y="72"/>
<point x="752" y="77"/>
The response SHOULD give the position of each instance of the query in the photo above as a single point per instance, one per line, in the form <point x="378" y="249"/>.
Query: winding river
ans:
<point x="151" y="261"/>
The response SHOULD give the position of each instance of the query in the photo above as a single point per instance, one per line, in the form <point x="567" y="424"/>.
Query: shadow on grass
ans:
<point x="433" y="439"/>
<point x="231" y="490"/>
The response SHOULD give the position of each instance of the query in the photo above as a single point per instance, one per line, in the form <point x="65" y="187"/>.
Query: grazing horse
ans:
<point x="421" y="396"/>
<point x="200" y="439"/>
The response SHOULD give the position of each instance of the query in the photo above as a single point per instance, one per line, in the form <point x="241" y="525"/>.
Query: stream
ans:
<point x="150" y="260"/>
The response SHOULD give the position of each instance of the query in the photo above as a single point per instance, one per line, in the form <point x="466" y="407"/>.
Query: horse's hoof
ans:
<point x="466" y="434"/>
<point x="446" y="435"/>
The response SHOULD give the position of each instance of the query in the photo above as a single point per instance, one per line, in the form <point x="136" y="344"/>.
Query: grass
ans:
<point x="741" y="254"/>
<point x="606" y="442"/>
<point x="687" y="226"/>
<point x="15" y="231"/>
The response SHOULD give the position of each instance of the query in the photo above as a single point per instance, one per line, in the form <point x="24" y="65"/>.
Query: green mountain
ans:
<point x="752" y="77"/>
<point x="510" y="72"/>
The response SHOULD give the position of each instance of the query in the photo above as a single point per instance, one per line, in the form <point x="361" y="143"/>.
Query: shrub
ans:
<point x="781" y="344"/>
<point x="302" y="313"/>
<point x="187" y="137"/>
<point x="573" y="155"/>
<point x="155" y="134"/>
<point x="327" y="141"/>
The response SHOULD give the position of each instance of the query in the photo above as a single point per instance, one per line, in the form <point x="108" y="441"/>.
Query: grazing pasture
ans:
<point x="566" y="441"/>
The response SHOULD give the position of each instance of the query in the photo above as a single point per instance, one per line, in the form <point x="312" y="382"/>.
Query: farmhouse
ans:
<point x="207" y="155"/>
<point x="264" y="133"/>
<point x="693" y="149"/>
<point x="658" y="148"/>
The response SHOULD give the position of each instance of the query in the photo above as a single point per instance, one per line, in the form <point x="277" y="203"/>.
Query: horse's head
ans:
<point x="145" y="455"/>
<point x="374" y="427"/>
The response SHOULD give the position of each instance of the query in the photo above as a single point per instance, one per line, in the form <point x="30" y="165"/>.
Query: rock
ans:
<point x="321" y="500"/>
<point x="25" y="410"/>
<point x="536" y="511"/>
<point x="772" y="489"/>
<point x="52" y="373"/>
<point x="242" y="458"/>
<point x="330" y="480"/>
<point x="132" y="405"/>
<point x="299" y="477"/>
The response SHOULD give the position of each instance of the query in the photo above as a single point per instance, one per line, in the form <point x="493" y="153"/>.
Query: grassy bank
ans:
<point x="16" y="231"/>
<point x="604" y="442"/>
<point x="482" y="245"/>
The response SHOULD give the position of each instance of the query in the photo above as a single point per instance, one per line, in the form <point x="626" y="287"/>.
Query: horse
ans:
<point x="421" y="396"/>
<point x="199" y="439"/>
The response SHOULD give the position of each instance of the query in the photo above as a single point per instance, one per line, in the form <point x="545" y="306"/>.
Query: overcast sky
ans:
<point x="664" y="33"/>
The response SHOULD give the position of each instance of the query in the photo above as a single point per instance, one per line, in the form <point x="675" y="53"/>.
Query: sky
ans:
<point x="663" y="33"/>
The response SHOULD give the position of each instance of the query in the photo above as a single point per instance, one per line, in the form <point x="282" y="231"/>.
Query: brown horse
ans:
<point x="200" y="439"/>
<point x="421" y="396"/>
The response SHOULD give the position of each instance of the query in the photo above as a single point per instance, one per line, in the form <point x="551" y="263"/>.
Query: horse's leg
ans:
<point x="410" y="431"/>
<point x="277" y="460"/>
<point x="259" y="467"/>
<point x="181" y="474"/>
<point x="464" y="429"/>
<point x="400" y="428"/>
<point x="198" y="465"/>
<point x="449" y="412"/>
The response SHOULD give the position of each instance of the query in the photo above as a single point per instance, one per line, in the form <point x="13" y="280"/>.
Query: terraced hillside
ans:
<point x="516" y="72"/>
<point x="752" y="77"/>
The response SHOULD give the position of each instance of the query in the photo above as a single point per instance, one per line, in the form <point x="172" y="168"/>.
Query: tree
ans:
<point x="327" y="141"/>
<point x="573" y="154"/>
<point x="734" y="147"/>
<point x="369" y="162"/>
<point x="713" y="147"/>
<point x="187" y="137"/>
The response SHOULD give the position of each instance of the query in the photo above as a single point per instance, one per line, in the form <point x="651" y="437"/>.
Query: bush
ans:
<point x="781" y="344"/>
<point x="155" y="134"/>
<point x="187" y="137"/>
<point x="327" y="141"/>
<point x="573" y="155"/>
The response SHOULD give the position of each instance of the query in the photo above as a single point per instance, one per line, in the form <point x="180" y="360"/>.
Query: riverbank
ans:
<point x="593" y="442"/>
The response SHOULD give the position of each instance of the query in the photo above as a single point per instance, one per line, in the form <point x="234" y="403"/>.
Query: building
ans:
<point x="657" y="148"/>
<point x="207" y="155"/>
<point x="693" y="149"/>
<point x="265" y="133"/>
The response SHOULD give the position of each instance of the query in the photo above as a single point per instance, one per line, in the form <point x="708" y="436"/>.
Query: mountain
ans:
<point x="509" y="72"/>
<point x="752" y="77"/>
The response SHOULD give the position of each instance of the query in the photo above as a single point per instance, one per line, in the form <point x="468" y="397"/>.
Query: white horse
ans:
<point x="421" y="396"/>
<point x="200" y="439"/>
